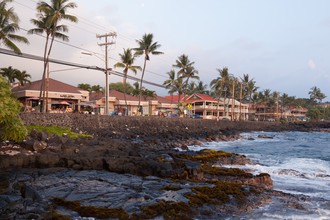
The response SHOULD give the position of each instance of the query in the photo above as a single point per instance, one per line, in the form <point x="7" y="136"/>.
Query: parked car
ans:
<point x="196" y="116"/>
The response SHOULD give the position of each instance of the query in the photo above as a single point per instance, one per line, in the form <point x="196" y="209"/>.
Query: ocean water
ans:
<point x="298" y="162"/>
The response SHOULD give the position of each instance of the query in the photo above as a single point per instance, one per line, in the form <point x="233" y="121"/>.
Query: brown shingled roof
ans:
<point x="54" y="86"/>
<point x="112" y="93"/>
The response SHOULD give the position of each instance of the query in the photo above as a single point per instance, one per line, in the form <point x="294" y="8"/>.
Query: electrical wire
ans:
<point x="39" y="58"/>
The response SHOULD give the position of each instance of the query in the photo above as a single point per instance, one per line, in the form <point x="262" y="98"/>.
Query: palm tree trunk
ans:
<point x="124" y="84"/>
<point x="42" y="84"/>
<point x="144" y="68"/>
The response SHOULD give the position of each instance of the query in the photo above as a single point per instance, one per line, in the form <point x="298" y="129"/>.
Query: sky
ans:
<point x="283" y="44"/>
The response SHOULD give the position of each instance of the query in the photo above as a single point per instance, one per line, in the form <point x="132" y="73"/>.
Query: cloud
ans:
<point x="311" y="64"/>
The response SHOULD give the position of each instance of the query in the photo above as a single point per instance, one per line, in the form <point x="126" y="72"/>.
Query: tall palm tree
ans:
<point x="126" y="61"/>
<point x="249" y="87"/>
<point x="146" y="48"/>
<point x="222" y="84"/>
<point x="48" y="21"/>
<point x="266" y="100"/>
<point x="183" y="63"/>
<point x="8" y="26"/>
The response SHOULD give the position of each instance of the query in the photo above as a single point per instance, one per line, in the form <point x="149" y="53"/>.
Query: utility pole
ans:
<point x="106" y="71"/>
<point x="233" y="101"/>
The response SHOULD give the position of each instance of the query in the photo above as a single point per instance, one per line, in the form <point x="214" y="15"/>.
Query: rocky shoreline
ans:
<point x="132" y="169"/>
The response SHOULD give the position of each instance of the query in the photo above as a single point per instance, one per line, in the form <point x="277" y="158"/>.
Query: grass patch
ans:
<point x="169" y="210"/>
<point x="59" y="131"/>
<point x="221" y="193"/>
<point x="221" y="171"/>
<point x="91" y="211"/>
<point x="205" y="156"/>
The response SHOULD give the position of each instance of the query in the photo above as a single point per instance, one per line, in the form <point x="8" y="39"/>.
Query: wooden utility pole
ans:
<point x="233" y="101"/>
<point x="106" y="44"/>
<point x="240" y="102"/>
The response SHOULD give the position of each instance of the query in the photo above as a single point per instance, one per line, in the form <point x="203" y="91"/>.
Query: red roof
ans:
<point x="192" y="98"/>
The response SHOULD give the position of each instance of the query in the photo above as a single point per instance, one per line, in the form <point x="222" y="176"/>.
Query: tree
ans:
<point x="8" y="26"/>
<point x="221" y="85"/>
<point x="97" y="88"/>
<point x="126" y="61"/>
<point x="186" y="70"/>
<point x="146" y="47"/>
<point x="48" y="21"/>
<point x="85" y="86"/>
<point x="170" y="83"/>
<point x="11" y="125"/>
<point x="315" y="113"/>
<point x="316" y="95"/>
<point x="118" y="86"/>
<point x="14" y="75"/>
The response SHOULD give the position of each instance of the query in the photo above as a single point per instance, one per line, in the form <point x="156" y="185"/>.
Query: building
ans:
<point x="61" y="96"/>
<point x="117" y="104"/>
<point x="211" y="108"/>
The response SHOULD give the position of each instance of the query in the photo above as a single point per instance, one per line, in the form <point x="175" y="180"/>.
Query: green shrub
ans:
<point x="11" y="125"/>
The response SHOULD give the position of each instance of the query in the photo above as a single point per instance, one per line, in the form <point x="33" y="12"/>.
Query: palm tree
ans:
<point x="136" y="89"/>
<point x="146" y="47"/>
<point x="22" y="77"/>
<point x="222" y="84"/>
<point x="127" y="60"/>
<point x="14" y="74"/>
<point x="249" y="87"/>
<point x="170" y="83"/>
<point x="9" y="74"/>
<point x="198" y="87"/>
<point x="85" y="86"/>
<point x="8" y="26"/>
<point x="48" y="21"/>
<point x="316" y="95"/>
<point x="186" y="70"/>
<point x="266" y="100"/>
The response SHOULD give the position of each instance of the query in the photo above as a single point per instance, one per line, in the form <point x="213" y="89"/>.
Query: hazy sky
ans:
<point x="283" y="44"/>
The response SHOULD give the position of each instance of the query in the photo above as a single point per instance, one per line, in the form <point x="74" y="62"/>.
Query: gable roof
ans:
<point x="112" y="93"/>
<point x="191" y="98"/>
<point x="53" y="86"/>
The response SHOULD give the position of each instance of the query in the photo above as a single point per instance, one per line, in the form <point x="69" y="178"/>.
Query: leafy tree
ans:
<point x="118" y="86"/>
<point x="126" y="61"/>
<point x="97" y="88"/>
<point x="315" y="113"/>
<point x="8" y="26"/>
<point x="47" y="22"/>
<point x="146" y="47"/>
<point x="11" y="125"/>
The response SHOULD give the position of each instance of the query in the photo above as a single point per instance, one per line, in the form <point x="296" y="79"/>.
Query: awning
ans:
<point x="60" y="103"/>
<point x="33" y="98"/>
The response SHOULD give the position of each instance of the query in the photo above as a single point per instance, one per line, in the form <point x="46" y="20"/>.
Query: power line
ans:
<point x="39" y="58"/>
<point x="95" y="25"/>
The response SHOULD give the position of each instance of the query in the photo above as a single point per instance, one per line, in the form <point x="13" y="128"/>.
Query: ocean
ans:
<point x="299" y="164"/>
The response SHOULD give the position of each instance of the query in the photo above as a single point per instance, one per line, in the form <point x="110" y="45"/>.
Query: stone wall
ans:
<point x="151" y="125"/>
